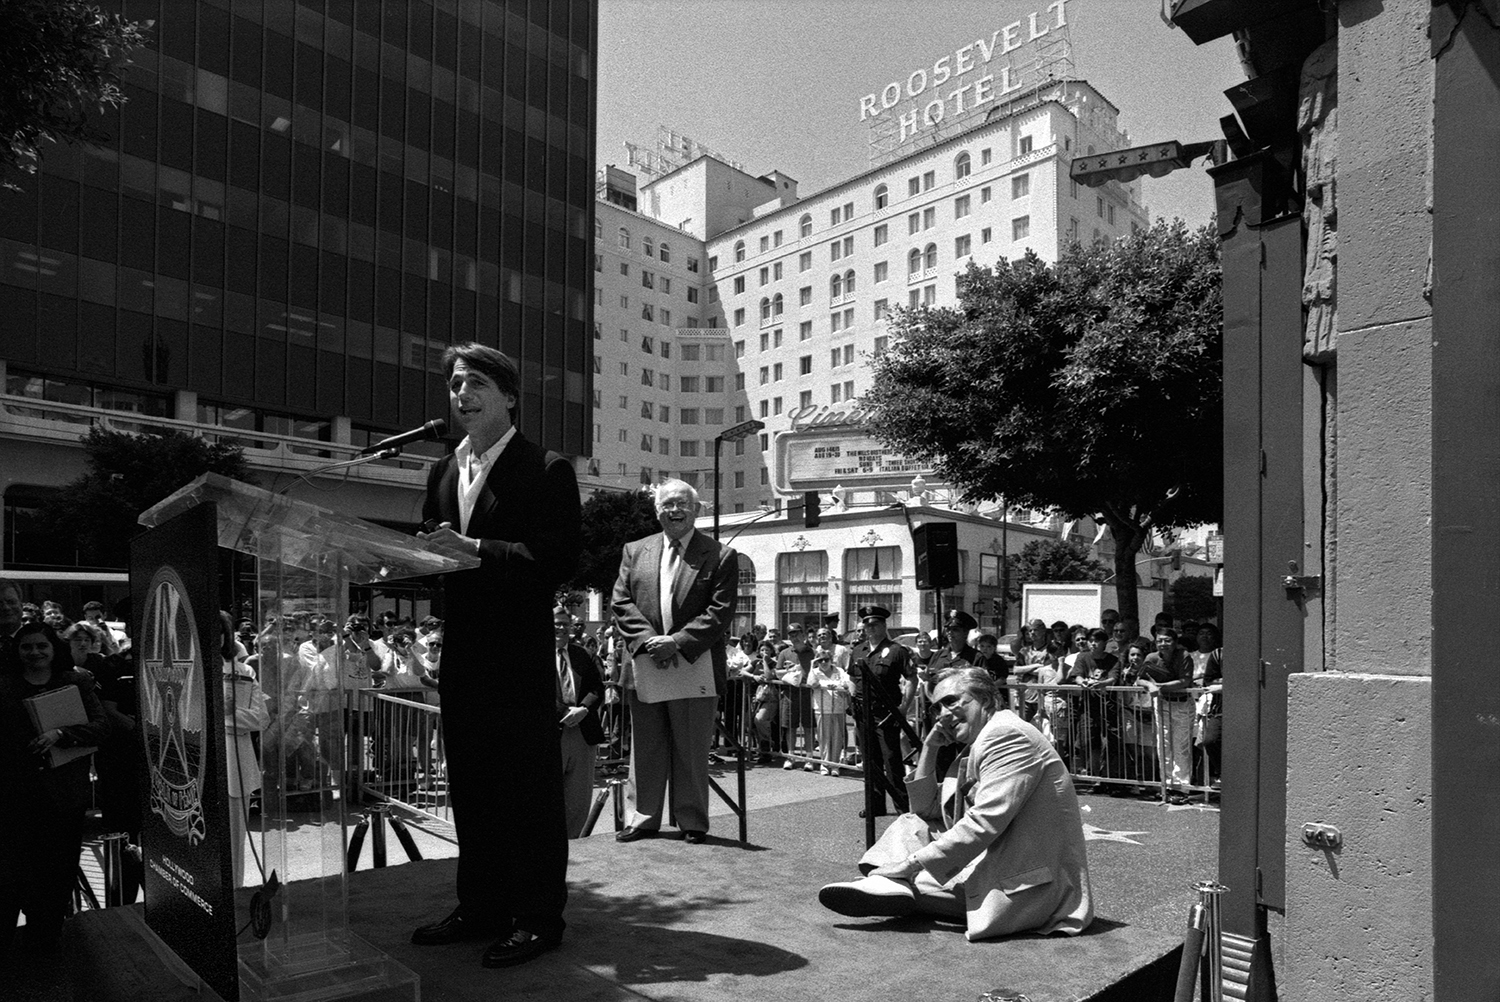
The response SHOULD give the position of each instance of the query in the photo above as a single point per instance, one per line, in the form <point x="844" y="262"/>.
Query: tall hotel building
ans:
<point x="304" y="203"/>
<point x="722" y="297"/>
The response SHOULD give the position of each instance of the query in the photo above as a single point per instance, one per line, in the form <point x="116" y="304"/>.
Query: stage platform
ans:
<point x="663" y="920"/>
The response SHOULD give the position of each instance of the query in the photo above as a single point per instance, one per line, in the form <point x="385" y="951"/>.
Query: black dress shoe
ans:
<point x="519" y="947"/>
<point x="631" y="834"/>
<point x="453" y="929"/>
<point x="879" y="813"/>
<point x="694" y="837"/>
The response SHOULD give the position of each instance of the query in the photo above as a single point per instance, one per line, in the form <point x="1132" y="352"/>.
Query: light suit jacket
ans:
<point x="1005" y="821"/>
<point x="703" y="602"/>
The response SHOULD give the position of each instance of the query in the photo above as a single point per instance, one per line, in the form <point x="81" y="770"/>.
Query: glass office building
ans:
<point x="303" y="204"/>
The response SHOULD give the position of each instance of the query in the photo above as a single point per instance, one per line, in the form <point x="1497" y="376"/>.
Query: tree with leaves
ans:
<point x="1191" y="597"/>
<point x="1090" y="387"/>
<point x="610" y="520"/>
<point x="1051" y="560"/>
<point x="126" y="475"/>
<point x="59" y="62"/>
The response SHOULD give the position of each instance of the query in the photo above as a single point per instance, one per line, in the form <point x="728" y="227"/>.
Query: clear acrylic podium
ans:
<point x="307" y="557"/>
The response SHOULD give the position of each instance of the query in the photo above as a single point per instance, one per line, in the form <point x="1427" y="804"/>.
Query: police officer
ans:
<point x="890" y="667"/>
<point x="957" y="653"/>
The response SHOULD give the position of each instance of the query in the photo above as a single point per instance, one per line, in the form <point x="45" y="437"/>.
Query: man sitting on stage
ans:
<point x="995" y="837"/>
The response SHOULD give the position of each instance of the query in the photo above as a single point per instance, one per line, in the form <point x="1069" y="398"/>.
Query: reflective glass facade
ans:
<point x="305" y="202"/>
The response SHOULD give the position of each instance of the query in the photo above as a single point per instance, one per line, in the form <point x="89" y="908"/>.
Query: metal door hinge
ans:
<point x="1301" y="585"/>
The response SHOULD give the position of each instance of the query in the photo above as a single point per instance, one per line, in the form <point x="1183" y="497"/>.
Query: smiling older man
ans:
<point x="673" y="603"/>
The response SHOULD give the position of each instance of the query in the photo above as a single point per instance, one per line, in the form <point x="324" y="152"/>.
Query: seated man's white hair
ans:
<point x="666" y="487"/>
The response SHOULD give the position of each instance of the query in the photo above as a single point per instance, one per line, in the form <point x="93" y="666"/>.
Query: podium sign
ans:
<point x="185" y="827"/>
<point x="306" y="558"/>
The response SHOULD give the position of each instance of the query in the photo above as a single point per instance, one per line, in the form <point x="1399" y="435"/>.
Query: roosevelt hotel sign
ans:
<point x="974" y="76"/>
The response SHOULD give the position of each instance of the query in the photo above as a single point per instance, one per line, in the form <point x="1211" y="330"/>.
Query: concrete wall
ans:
<point x="1358" y="921"/>
<point x="1385" y="336"/>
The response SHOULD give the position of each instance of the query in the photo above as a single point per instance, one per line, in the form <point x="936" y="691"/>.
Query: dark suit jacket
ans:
<point x="587" y="682"/>
<point x="527" y="519"/>
<point x="702" y="605"/>
<point x="499" y="683"/>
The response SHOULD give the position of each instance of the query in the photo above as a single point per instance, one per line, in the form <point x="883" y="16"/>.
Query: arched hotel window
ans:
<point x="777" y="302"/>
<point x="914" y="262"/>
<point x="647" y="245"/>
<point x="849" y="282"/>
<point x="765" y="309"/>
<point x="801" y="587"/>
<point x="739" y="250"/>
<point x="931" y="252"/>
<point x="836" y="286"/>
<point x="664" y="251"/>
<point x="872" y="576"/>
<point x="744" y="612"/>
<point x="804" y="225"/>
<point x="624" y="238"/>
<point x="961" y="165"/>
<point x="882" y="196"/>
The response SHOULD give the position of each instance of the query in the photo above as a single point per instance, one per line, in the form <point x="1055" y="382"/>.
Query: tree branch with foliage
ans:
<point x="610" y="520"/>
<point x="59" y="62"/>
<point x="126" y="475"/>
<point x="1091" y="387"/>
<point x="1051" y="560"/>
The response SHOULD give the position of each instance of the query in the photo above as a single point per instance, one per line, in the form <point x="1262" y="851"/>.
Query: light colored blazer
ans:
<point x="1006" y="823"/>
<point x="703" y="602"/>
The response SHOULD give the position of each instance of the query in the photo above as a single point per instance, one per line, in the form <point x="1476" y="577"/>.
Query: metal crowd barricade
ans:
<point x="397" y="755"/>
<point x="805" y="748"/>
<point x="1120" y="736"/>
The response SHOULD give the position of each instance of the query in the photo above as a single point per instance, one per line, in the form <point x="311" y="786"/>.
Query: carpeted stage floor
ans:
<point x="663" y="920"/>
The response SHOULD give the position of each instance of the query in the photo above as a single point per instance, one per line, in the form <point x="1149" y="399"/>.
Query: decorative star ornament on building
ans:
<point x="870" y="538"/>
<point x="800" y="543"/>
<point x="1093" y="833"/>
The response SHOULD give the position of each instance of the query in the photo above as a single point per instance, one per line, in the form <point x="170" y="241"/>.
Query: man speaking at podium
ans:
<point x="515" y="506"/>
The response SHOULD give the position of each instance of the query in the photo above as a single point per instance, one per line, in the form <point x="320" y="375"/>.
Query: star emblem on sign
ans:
<point x="1093" y="833"/>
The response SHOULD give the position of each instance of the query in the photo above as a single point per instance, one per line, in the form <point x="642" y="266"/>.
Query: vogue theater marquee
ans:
<point x="965" y="81"/>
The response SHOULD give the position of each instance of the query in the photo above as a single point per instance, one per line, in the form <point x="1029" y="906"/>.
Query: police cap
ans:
<point x="960" y="620"/>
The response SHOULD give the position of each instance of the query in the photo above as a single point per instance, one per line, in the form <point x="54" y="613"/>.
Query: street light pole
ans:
<point x="740" y="431"/>
<point x="718" y="447"/>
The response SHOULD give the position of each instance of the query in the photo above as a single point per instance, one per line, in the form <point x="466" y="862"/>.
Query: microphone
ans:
<point x="430" y="431"/>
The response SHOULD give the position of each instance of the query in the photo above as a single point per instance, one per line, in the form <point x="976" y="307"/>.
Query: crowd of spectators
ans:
<point x="1134" y="712"/>
<point x="281" y="682"/>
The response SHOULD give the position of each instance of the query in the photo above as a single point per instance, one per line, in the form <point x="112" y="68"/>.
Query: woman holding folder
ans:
<point x="49" y="713"/>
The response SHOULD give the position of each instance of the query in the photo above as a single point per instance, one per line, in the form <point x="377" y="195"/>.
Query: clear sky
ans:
<point x="776" y="84"/>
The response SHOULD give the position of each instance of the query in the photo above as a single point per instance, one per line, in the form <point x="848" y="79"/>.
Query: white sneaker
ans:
<point x="787" y="764"/>
<point x="809" y="767"/>
<point x="826" y="771"/>
<point x="870" y="896"/>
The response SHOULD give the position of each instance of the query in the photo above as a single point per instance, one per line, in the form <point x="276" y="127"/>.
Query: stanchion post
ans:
<point x="1209" y="892"/>
<point x="619" y="803"/>
<point x="114" y="874"/>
